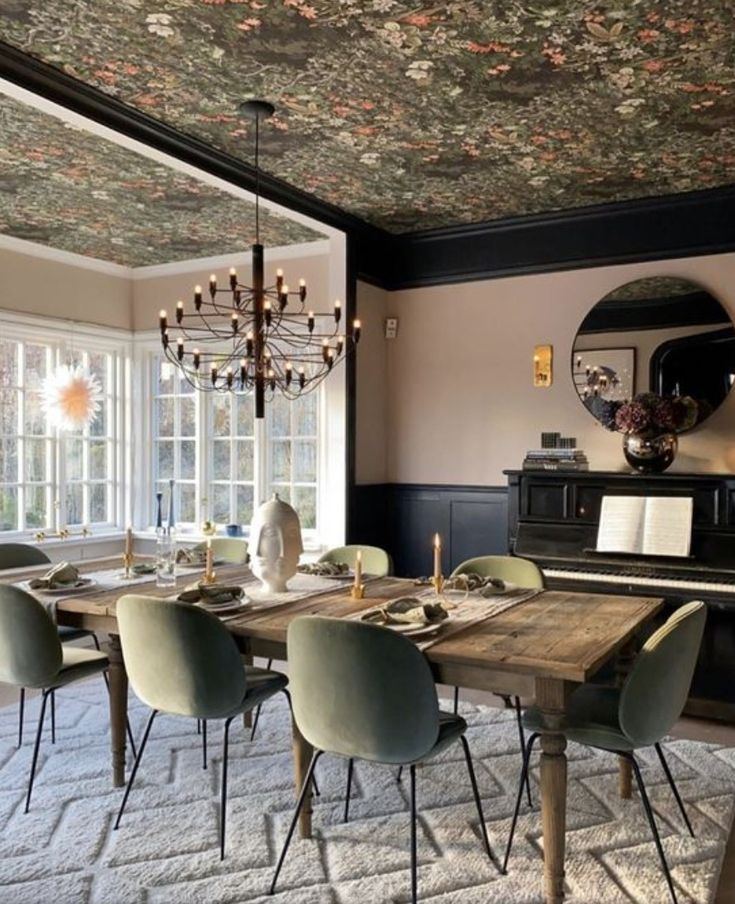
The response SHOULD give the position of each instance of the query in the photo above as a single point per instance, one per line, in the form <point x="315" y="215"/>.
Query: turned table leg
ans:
<point x="625" y="770"/>
<point x="551" y="697"/>
<point x="118" y="709"/>
<point x="302" y="754"/>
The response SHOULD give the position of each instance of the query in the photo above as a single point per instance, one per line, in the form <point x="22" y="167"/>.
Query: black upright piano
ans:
<point x="553" y="519"/>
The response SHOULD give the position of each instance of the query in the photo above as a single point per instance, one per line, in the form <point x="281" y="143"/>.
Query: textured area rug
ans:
<point x="166" y="851"/>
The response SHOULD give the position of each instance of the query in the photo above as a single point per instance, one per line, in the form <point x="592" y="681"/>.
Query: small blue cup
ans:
<point x="233" y="530"/>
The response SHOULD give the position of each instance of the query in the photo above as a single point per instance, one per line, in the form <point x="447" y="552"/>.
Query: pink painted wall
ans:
<point x="459" y="401"/>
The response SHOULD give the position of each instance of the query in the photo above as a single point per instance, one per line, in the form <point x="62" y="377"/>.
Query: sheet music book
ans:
<point x="646" y="525"/>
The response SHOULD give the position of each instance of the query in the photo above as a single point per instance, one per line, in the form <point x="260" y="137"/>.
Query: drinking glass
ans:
<point x="165" y="559"/>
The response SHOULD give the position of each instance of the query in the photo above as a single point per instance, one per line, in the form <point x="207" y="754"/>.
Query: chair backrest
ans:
<point x="233" y="550"/>
<point x="359" y="690"/>
<point x="20" y="555"/>
<point x="657" y="687"/>
<point x="513" y="569"/>
<point x="30" y="650"/>
<point x="179" y="658"/>
<point x="374" y="559"/>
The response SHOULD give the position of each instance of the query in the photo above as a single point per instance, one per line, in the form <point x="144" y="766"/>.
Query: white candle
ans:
<point x="358" y="568"/>
<point x="129" y="542"/>
<point x="209" y="562"/>
<point x="437" y="556"/>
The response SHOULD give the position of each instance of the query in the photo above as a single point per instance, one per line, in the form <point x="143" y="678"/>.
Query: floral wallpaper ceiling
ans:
<point x="414" y="114"/>
<point x="67" y="188"/>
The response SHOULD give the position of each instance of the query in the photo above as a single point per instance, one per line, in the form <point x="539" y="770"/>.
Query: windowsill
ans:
<point x="312" y="545"/>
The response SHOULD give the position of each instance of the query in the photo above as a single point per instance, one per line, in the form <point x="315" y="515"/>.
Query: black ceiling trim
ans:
<point x="675" y="226"/>
<point x="626" y="232"/>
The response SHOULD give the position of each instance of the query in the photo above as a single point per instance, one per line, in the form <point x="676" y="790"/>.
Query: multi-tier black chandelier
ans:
<point x="260" y="338"/>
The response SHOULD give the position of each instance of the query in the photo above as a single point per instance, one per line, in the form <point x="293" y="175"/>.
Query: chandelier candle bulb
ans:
<point x="302" y="378"/>
<point x="164" y="339"/>
<point x="272" y="379"/>
<point x="302" y="289"/>
<point x="283" y="297"/>
<point x="163" y="321"/>
<point x="198" y="297"/>
<point x="214" y="374"/>
<point x="268" y="313"/>
<point x="233" y="278"/>
<point x="356" y="330"/>
<point x="310" y="321"/>
<point x="180" y="348"/>
<point x="230" y="377"/>
<point x="249" y="345"/>
<point x="340" y="344"/>
<point x="197" y="358"/>
<point x="337" y="311"/>
<point x="179" y="311"/>
<point x="212" y="285"/>
<point x="235" y="324"/>
<point x="330" y="358"/>
<point x="289" y="373"/>
<point x="279" y="279"/>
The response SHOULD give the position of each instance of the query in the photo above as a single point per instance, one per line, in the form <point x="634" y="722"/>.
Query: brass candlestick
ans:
<point x="127" y="563"/>
<point x="357" y="591"/>
<point x="210" y="577"/>
<point x="438" y="582"/>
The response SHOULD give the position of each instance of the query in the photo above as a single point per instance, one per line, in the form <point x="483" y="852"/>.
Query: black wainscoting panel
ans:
<point x="403" y="519"/>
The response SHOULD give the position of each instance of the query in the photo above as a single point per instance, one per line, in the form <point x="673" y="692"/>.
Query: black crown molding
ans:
<point x="672" y="226"/>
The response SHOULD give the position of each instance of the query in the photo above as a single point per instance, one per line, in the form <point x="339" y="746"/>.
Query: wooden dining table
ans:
<point x="540" y="648"/>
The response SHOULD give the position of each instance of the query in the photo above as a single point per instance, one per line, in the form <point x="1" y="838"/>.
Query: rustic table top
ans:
<point x="561" y="635"/>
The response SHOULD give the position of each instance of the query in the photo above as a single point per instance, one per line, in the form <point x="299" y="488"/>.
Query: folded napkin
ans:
<point x="144" y="568"/>
<point x="325" y="569"/>
<point x="475" y="583"/>
<point x="407" y="610"/>
<point x="62" y="575"/>
<point x="194" y="556"/>
<point x="211" y="594"/>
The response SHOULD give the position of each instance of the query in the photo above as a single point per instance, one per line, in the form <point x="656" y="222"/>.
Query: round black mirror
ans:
<point x="659" y="335"/>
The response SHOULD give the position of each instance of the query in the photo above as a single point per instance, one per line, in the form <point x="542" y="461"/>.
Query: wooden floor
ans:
<point x="694" y="729"/>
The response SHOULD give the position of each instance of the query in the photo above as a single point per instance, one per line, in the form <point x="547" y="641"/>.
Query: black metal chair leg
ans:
<point x="134" y="772"/>
<point x="399" y="774"/>
<point x="204" y="743"/>
<point x="652" y="824"/>
<point x="456" y="701"/>
<point x="294" y="819"/>
<point x="96" y="642"/>
<point x="286" y="694"/>
<point x="21" y="714"/>
<point x="260" y="706"/>
<point x="672" y="783"/>
<point x="53" y="717"/>
<point x="478" y="802"/>
<point x="350" y="768"/>
<point x="414" y="858"/>
<point x="36" y="746"/>
<point x="199" y="726"/>
<point x="223" y="804"/>
<point x="522" y="741"/>
<point x="519" y="798"/>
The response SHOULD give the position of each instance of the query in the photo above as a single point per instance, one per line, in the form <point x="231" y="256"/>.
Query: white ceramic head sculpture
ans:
<point x="275" y="544"/>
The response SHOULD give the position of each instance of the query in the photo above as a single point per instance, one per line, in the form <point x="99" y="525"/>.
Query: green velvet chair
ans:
<point x="375" y="561"/>
<point x="514" y="570"/>
<point x="31" y="655"/>
<point x="637" y="715"/>
<point x="232" y="550"/>
<point x="181" y="660"/>
<point x="23" y="555"/>
<point x="361" y="691"/>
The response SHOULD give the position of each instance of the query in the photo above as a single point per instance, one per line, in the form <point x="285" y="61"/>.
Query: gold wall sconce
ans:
<point x="543" y="374"/>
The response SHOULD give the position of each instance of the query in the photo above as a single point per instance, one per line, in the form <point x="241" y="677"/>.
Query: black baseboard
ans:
<point x="403" y="518"/>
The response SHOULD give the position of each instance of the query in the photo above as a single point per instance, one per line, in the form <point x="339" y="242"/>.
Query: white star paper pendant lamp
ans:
<point x="71" y="397"/>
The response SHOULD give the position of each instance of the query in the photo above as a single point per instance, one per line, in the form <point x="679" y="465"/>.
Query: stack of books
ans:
<point x="556" y="460"/>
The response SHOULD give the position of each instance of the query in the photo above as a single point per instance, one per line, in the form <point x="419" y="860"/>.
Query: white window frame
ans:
<point x="331" y="460"/>
<point x="63" y="338"/>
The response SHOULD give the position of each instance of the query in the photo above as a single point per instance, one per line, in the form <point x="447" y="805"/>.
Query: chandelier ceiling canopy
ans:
<point x="255" y="337"/>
